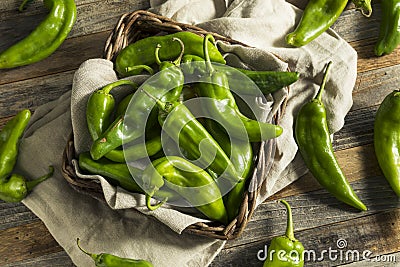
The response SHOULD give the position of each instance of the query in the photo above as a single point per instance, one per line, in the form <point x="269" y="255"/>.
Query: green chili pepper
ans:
<point x="109" y="260"/>
<point x="188" y="180"/>
<point x="142" y="52"/>
<point x="387" y="139"/>
<point x="220" y="104"/>
<point x="15" y="188"/>
<point x="117" y="173"/>
<point x="267" y="81"/>
<point x="364" y="6"/>
<point x="285" y="251"/>
<point x="123" y="105"/>
<point x="100" y="107"/>
<point x="181" y="125"/>
<point x="10" y="137"/>
<point x="136" y="151"/>
<point x="43" y="40"/>
<point x="317" y="17"/>
<point x="313" y="138"/>
<point x="389" y="32"/>
<point x="241" y="155"/>
<point x="167" y="84"/>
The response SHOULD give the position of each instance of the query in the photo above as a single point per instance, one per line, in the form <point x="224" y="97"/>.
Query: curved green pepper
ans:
<point x="285" y="251"/>
<point x="241" y="154"/>
<point x="15" y="188"/>
<point x="389" y="32"/>
<point x="109" y="260"/>
<point x="188" y="180"/>
<point x="313" y="138"/>
<point x="100" y="107"/>
<point x="387" y="139"/>
<point x="167" y="84"/>
<point x="317" y="17"/>
<point x="10" y="137"/>
<point x="142" y="52"/>
<point x="267" y="81"/>
<point x="45" y="38"/>
<point x="219" y="103"/>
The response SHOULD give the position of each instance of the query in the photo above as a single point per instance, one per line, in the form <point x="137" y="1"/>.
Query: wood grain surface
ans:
<point x="323" y="224"/>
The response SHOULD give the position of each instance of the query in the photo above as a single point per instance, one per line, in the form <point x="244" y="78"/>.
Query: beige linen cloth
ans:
<point x="115" y="228"/>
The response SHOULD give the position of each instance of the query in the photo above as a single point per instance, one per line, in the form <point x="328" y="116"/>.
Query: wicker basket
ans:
<point x="138" y="25"/>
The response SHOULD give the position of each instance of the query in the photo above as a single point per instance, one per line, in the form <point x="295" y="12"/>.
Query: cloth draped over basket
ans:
<point x="260" y="24"/>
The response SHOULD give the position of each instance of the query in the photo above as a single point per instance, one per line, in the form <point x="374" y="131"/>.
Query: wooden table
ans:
<point x="321" y="222"/>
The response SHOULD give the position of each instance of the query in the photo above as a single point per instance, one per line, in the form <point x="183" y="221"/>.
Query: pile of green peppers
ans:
<point x="319" y="15"/>
<point x="166" y="177"/>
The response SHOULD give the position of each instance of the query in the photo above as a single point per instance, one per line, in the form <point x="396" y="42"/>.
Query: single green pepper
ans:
<point x="10" y="137"/>
<point x="364" y="6"/>
<point x="15" y="188"/>
<point x="109" y="260"/>
<point x="313" y="138"/>
<point x="167" y="84"/>
<point x="285" y="251"/>
<point x="100" y="107"/>
<point x="317" y="17"/>
<point x="389" y="32"/>
<point x="142" y="52"/>
<point x="45" y="38"/>
<point x="188" y="180"/>
<point x="241" y="155"/>
<point x="136" y="151"/>
<point x="123" y="105"/>
<point x="387" y="139"/>
<point x="219" y="103"/>
<point x="266" y="81"/>
<point x="117" y="173"/>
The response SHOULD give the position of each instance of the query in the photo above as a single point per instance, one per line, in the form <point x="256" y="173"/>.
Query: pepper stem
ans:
<point x="133" y="69"/>
<point x="209" y="66"/>
<point x="23" y="4"/>
<point x="289" y="224"/>
<point x="94" y="256"/>
<point x="31" y="184"/>
<point x="177" y="61"/>
<point x="154" y="207"/>
<point x="324" y="79"/>
<point x="107" y="89"/>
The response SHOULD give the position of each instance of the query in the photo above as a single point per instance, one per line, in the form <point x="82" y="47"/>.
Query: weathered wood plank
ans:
<point x="14" y="214"/>
<point x="68" y="57"/>
<point x="31" y="94"/>
<point x="25" y="242"/>
<point x="58" y="259"/>
<point x="383" y="228"/>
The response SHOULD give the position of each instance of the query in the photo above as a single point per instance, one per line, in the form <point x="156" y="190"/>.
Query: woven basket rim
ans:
<point x="142" y="21"/>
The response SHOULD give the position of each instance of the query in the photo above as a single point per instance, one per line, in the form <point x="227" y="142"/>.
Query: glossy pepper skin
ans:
<point x="389" y="32"/>
<point x="109" y="260"/>
<point x="220" y="104"/>
<point x="387" y="139"/>
<point x="167" y="84"/>
<point x="313" y="139"/>
<point x="142" y="52"/>
<point x="266" y="81"/>
<point x="182" y="176"/>
<point x="290" y="248"/>
<point x="241" y="155"/>
<point x="10" y="137"/>
<point x="183" y="127"/>
<point x="15" y="188"/>
<point x="317" y="17"/>
<point x="45" y="38"/>
<point x="100" y="107"/>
